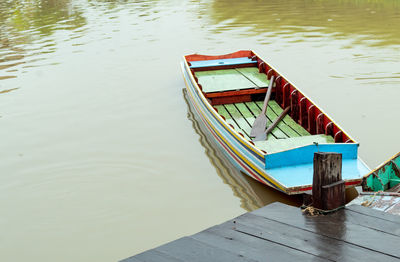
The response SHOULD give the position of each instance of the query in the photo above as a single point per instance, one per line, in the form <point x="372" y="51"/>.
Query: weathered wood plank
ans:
<point x="228" y="118"/>
<point x="152" y="256"/>
<point x="299" y="239"/>
<point x="386" y="226"/>
<point x="328" y="170"/>
<point x="226" y="237"/>
<point x="279" y="232"/>
<point x="256" y="111"/>
<point x="342" y="230"/>
<point x="131" y="259"/>
<point x="334" y="195"/>
<point x="189" y="249"/>
<point x="288" y="120"/>
<point x="375" y="214"/>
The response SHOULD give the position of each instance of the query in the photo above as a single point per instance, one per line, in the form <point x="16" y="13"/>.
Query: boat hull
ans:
<point x="255" y="162"/>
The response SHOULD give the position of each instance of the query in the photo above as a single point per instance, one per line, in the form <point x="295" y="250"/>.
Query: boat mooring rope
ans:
<point x="313" y="211"/>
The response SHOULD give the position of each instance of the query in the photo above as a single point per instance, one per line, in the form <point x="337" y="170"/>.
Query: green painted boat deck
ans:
<point x="231" y="79"/>
<point x="385" y="177"/>
<point x="288" y="134"/>
<point x="278" y="145"/>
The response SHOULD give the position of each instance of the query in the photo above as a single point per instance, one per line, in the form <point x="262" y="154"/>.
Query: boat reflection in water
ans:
<point x="252" y="193"/>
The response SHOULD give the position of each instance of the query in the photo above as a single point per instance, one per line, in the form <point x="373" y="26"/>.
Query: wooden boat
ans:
<point x="386" y="177"/>
<point x="381" y="187"/>
<point x="227" y="93"/>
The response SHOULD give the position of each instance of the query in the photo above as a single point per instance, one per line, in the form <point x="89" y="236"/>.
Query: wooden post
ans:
<point x="328" y="190"/>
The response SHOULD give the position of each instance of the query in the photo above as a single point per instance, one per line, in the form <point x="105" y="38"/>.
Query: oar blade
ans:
<point x="261" y="137"/>
<point x="259" y="125"/>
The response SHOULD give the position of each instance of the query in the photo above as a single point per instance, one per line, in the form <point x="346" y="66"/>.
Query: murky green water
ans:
<point x="98" y="157"/>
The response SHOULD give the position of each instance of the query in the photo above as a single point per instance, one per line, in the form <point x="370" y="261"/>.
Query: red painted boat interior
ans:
<point x="303" y="111"/>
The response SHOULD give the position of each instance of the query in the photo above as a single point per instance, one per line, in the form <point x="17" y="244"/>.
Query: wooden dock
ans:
<point x="279" y="232"/>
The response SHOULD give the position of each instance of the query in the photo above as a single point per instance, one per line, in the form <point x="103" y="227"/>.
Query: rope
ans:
<point x="367" y="203"/>
<point x="313" y="211"/>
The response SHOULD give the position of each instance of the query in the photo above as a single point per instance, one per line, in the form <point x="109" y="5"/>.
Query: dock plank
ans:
<point x="310" y="242"/>
<point x="189" y="249"/>
<point x="225" y="236"/>
<point x="374" y="213"/>
<point x="325" y="225"/>
<point x="367" y="221"/>
<point x="279" y="232"/>
<point x="152" y="256"/>
<point x="132" y="259"/>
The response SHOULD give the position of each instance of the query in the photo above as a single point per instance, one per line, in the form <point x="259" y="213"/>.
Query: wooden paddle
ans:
<point x="264" y="135"/>
<point x="260" y="123"/>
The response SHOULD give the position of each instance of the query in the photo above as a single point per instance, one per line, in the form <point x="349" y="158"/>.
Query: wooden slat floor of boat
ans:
<point x="228" y="118"/>
<point x="293" y="125"/>
<point x="278" y="232"/>
<point x="231" y="79"/>
<point x="244" y="114"/>
<point x="241" y="120"/>
<point x="282" y="125"/>
<point x="238" y="117"/>
<point x="256" y="110"/>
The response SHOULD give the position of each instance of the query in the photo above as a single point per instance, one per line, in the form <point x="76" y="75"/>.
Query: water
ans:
<point x="99" y="156"/>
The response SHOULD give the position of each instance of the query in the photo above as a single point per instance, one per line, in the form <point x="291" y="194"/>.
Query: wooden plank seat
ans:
<point x="288" y="134"/>
<point x="231" y="79"/>
<point x="222" y="62"/>
<point x="231" y="85"/>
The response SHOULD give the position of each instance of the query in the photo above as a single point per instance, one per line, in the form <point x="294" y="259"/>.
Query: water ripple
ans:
<point x="346" y="18"/>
